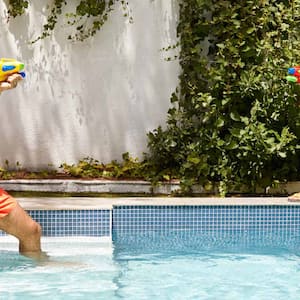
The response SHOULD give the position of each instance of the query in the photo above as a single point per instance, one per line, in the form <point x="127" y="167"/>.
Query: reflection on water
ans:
<point x="190" y="241"/>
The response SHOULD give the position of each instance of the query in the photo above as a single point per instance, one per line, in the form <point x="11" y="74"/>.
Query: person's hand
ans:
<point x="11" y="82"/>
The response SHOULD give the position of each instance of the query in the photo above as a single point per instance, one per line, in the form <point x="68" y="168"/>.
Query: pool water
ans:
<point x="210" y="276"/>
<point x="94" y="268"/>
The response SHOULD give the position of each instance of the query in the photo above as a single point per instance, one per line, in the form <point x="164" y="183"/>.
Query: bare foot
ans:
<point x="43" y="259"/>
<point x="39" y="256"/>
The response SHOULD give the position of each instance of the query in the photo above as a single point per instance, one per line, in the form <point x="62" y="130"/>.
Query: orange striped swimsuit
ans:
<point x="7" y="203"/>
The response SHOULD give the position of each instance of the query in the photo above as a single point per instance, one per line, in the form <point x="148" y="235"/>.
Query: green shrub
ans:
<point x="234" y="119"/>
<point x="129" y="168"/>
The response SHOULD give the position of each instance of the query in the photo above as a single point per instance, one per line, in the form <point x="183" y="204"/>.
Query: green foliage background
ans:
<point x="234" y="120"/>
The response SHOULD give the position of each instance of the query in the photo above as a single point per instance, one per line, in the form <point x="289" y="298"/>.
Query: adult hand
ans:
<point x="11" y="82"/>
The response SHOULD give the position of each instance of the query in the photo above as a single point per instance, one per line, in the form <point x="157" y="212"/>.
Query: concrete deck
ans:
<point x="82" y="203"/>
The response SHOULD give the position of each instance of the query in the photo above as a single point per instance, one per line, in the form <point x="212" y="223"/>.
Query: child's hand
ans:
<point x="10" y="83"/>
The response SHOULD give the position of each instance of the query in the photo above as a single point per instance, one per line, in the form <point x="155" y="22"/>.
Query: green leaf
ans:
<point x="220" y="122"/>
<point x="235" y="132"/>
<point x="232" y="145"/>
<point x="194" y="160"/>
<point x="235" y="116"/>
<point x="282" y="154"/>
<point x="166" y="177"/>
<point x="251" y="30"/>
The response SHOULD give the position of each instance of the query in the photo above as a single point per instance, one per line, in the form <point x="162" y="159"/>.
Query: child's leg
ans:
<point x="15" y="221"/>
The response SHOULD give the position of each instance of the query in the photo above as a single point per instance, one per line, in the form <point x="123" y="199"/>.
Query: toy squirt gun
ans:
<point x="294" y="74"/>
<point x="9" y="66"/>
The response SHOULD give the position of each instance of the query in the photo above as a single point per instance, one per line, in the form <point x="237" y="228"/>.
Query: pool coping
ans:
<point x="102" y="203"/>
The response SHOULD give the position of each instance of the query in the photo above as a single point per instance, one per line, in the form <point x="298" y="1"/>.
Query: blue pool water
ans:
<point x="174" y="267"/>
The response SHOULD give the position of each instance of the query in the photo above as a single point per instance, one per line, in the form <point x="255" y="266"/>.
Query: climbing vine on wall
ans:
<point x="17" y="7"/>
<point x="87" y="19"/>
<point x="234" y="120"/>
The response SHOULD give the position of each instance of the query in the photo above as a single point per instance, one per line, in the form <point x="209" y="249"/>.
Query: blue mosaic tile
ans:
<point x="204" y="226"/>
<point x="138" y="226"/>
<point x="72" y="222"/>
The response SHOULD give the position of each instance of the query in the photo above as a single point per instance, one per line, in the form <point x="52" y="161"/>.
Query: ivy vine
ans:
<point x="234" y="120"/>
<point x="88" y="18"/>
<point x="17" y="8"/>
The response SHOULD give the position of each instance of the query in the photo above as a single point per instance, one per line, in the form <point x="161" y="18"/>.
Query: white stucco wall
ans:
<point x="98" y="98"/>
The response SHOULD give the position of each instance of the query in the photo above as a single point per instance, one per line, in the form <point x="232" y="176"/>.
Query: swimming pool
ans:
<point x="161" y="252"/>
<point x="93" y="268"/>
